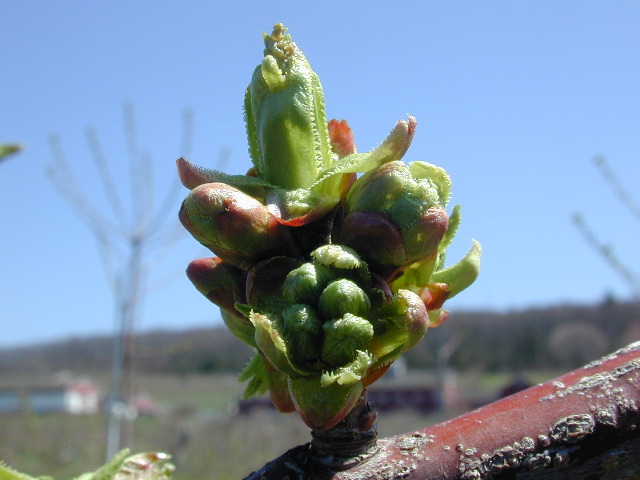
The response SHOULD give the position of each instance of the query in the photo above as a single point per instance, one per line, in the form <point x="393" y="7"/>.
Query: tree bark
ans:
<point x="584" y="424"/>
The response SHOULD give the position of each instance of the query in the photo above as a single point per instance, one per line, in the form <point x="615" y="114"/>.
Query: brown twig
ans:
<point x="581" y="425"/>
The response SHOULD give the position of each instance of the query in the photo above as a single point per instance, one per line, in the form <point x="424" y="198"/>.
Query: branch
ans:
<point x="141" y="176"/>
<point x="65" y="182"/>
<point x="581" y="424"/>
<point x="616" y="185"/>
<point x="105" y="176"/>
<point x="606" y="251"/>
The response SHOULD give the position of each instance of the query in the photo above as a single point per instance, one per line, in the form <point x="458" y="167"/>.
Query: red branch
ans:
<point x="580" y="424"/>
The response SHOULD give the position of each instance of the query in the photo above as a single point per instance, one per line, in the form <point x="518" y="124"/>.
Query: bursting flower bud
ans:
<point x="395" y="215"/>
<point x="305" y="283"/>
<point x="284" y="111"/>
<point x="343" y="338"/>
<point x="330" y="277"/>
<point x="235" y="226"/>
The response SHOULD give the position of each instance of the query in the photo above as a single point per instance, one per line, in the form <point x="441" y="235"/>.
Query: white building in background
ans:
<point x="58" y="394"/>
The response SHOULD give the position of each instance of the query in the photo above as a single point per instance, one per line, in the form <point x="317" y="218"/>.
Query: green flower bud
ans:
<point x="400" y="325"/>
<point x="343" y="296"/>
<point x="343" y="338"/>
<point x="264" y="284"/>
<point x="284" y="112"/>
<point x="236" y="227"/>
<point x="303" y="332"/>
<point x="343" y="261"/>
<point x="305" y="283"/>
<point x="337" y="256"/>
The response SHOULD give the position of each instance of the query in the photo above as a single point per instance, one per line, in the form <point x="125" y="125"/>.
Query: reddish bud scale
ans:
<point x="222" y="283"/>
<point x="341" y="136"/>
<point x="376" y="239"/>
<point x="235" y="226"/>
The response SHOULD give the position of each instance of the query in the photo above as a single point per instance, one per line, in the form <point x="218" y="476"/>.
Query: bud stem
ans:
<point x="351" y="441"/>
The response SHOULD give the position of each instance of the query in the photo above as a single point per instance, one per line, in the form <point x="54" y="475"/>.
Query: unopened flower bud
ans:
<point x="343" y="296"/>
<point x="303" y="332"/>
<point x="235" y="226"/>
<point x="395" y="215"/>
<point x="305" y="283"/>
<point x="219" y="281"/>
<point x="343" y="338"/>
<point x="403" y="322"/>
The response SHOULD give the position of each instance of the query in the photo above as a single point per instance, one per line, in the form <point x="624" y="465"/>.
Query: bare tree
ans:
<point x="605" y="250"/>
<point x="132" y="233"/>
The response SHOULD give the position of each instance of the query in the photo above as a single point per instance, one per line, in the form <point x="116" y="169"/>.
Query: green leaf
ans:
<point x="256" y="373"/>
<point x="8" y="149"/>
<point x="437" y="175"/>
<point x="271" y="343"/>
<point x="393" y="148"/>
<point x="109" y="470"/>
<point x="140" y="466"/>
<point x="192" y="176"/>
<point x="300" y="206"/>
<point x="463" y="273"/>
<point x="8" y="473"/>
<point x="323" y="406"/>
<point x="239" y="326"/>
<point x="452" y="229"/>
<point x="351" y="373"/>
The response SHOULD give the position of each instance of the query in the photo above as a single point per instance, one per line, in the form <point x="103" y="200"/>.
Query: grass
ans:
<point x="198" y="427"/>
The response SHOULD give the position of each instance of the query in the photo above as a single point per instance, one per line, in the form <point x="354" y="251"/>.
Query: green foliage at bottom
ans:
<point x="141" y="466"/>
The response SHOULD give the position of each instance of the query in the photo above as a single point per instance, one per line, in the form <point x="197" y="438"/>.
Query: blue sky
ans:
<point x="514" y="99"/>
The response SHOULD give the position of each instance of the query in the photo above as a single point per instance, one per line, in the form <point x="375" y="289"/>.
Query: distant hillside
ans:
<point x="563" y="337"/>
<point x="194" y="350"/>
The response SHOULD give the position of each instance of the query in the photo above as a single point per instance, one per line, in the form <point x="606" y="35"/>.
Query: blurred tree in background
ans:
<point x="622" y="267"/>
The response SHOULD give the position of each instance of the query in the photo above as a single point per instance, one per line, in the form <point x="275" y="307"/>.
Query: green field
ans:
<point x="199" y="427"/>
